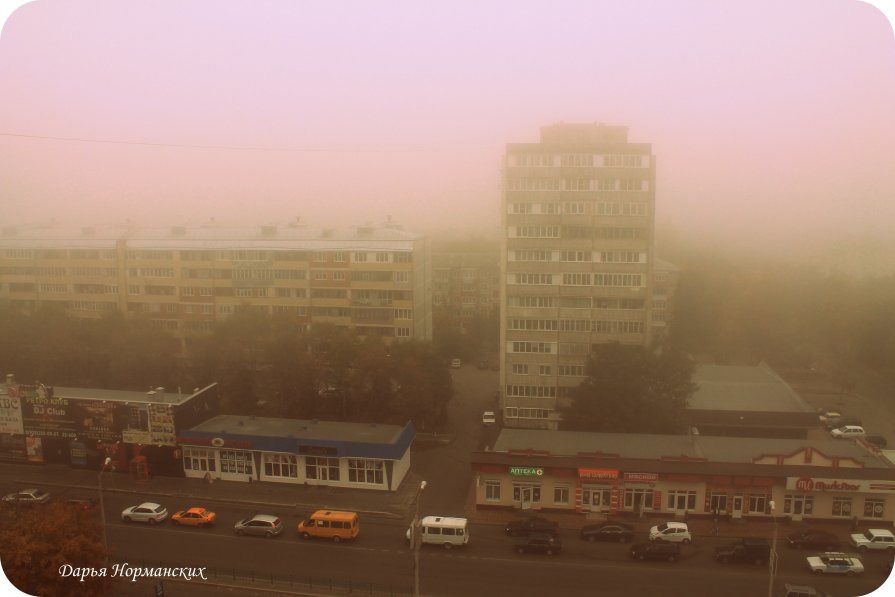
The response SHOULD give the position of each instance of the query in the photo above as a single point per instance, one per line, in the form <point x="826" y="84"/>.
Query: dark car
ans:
<point x="535" y="542"/>
<point x="532" y="524"/>
<point x="609" y="531"/>
<point x="656" y="550"/>
<point x="753" y="551"/>
<point x="82" y="503"/>
<point x="27" y="496"/>
<point x="876" y="440"/>
<point x="814" y="540"/>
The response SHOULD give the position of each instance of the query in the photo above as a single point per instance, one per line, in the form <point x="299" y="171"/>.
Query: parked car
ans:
<point x="801" y="591"/>
<point x="264" y="525"/>
<point x="848" y="431"/>
<point x="456" y="364"/>
<point x="876" y="440"/>
<point x="146" y="512"/>
<point x="835" y="563"/>
<point x="834" y="422"/>
<point x="489" y="418"/>
<point x="656" y="550"/>
<point x="532" y="524"/>
<point x="83" y="503"/>
<point x="194" y="517"/>
<point x="874" y="539"/>
<point x="829" y="416"/>
<point x="814" y="540"/>
<point x="753" y="551"/>
<point x="27" y="496"/>
<point x="675" y="532"/>
<point x="534" y="542"/>
<point x="608" y="531"/>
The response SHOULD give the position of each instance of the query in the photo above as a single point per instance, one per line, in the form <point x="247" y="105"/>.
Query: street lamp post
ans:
<point x="772" y="560"/>
<point x="102" y="507"/>
<point x="416" y="540"/>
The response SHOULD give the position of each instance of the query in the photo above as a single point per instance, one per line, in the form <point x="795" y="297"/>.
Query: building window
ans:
<point x="526" y="493"/>
<point x="758" y="503"/>
<point x="319" y="256"/>
<point x="339" y="257"/>
<point x="402" y="277"/>
<point x="798" y="504"/>
<point x="520" y="369"/>
<point x="511" y="412"/>
<point x="718" y="502"/>
<point x="236" y="461"/>
<point x="365" y="471"/>
<point x="874" y="508"/>
<point x="492" y="491"/>
<point x="638" y="499"/>
<point x="322" y="469"/>
<point x="360" y="257"/>
<point x="596" y="497"/>
<point x="338" y="275"/>
<point x="197" y="459"/>
<point x="561" y="495"/>
<point x="281" y="465"/>
<point x="841" y="506"/>
<point x="681" y="500"/>
<point x="381" y="257"/>
<point x="545" y="370"/>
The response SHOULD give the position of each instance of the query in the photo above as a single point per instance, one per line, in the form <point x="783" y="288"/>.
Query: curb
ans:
<point x="294" y="505"/>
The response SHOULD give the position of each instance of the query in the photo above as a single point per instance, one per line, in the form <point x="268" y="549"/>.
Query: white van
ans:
<point x="442" y="530"/>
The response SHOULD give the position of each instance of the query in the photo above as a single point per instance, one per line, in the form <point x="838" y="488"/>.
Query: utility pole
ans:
<point x="416" y="539"/>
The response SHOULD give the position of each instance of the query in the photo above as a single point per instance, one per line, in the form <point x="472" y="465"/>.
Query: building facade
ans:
<point x="81" y="427"/>
<point x="335" y="454"/>
<point x="577" y="254"/>
<point x="376" y="281"/>
<point x="669" y="475"/>
<point x="466" y="280"/>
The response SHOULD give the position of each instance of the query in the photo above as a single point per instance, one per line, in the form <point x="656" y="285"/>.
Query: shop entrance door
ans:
<point x="525" y="495"/>
<point x="737" y="511"/>
<point x="797" y="507"/>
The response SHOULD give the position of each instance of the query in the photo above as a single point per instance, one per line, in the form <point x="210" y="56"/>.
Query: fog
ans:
<point x="772" y="122"/>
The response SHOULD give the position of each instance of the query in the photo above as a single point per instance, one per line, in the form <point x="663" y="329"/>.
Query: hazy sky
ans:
<point x="767" y="118"/>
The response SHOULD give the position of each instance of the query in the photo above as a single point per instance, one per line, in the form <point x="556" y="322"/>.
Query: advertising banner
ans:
<point x="135" y="427"/>
<point x="44" y="415"/>
<point x="11" y="412"/>
<point x="12" y="448"/>
<point x="161" y="425"/>
<point x="97" y="420"/>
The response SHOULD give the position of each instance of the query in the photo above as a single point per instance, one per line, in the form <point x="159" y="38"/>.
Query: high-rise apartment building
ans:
<point x="576" y="261"/>
<point x="375" y="280"/>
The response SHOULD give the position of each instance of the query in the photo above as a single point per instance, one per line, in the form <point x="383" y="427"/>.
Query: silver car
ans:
<point x="27" y="496"/>
<point x="264" y="525"/>
<point x="146" y="512"/>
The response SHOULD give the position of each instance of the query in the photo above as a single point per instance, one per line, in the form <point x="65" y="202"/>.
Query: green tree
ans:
<point x="35" y="542"/>
<point x="631" y="389"/>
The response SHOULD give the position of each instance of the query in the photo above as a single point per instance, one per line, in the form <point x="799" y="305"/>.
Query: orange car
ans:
<point x="196" y="517"/>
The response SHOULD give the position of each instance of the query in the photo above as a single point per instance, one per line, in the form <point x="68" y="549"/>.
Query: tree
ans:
<point x="37" y="540"/>
<point x="631" y="389"/>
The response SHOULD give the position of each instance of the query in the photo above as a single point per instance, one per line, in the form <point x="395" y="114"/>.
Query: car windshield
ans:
<point x="40" y="493"/>
<point x="662" y="526"/>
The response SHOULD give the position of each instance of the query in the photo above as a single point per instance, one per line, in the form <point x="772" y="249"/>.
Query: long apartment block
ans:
<point x="375" y="280"/>
<point x="577" y="258"/>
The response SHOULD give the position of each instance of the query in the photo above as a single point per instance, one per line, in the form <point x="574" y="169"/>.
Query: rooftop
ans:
<point x="743" y="388"/>
<point x="153" y="396"/>
<point x="301" y="429"/>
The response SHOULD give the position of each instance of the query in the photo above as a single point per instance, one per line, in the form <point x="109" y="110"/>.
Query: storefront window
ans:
<point x="492" y="491"/>
<point x="797" y="505"/>
<point x="280" y="465"/>
<point x="197" y="459"/>
<point x="561" y="494"/>
<point x="841" y="506"/>
<point x="682" y="500"/>
<point x="636" y="498"/>
<point x="758" y="503"/>
<point x="718" y="502"/>
<point x="236" y="461"/>
<point x="873" y="508"/>
<point x="365" y="471"/>
<point x="596" y="496"/>
<point x="526" y="493"/>
<point x="321" y="468"/>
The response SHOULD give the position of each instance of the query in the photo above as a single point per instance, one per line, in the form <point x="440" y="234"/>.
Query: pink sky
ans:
<point x="766" y="118"/>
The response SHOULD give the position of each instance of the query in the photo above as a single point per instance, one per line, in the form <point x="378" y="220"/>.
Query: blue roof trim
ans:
<point x="344" y="448"/>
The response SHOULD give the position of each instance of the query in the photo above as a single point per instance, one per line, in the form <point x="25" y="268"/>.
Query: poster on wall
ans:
<point x="11" y="412"/>
<point x="135" y="424"/>
<point x="12" y="448"/>
<point x="45" y="415"/>
<point x="78" y="453"/>
<point x="34" y="449"/>
<point x="161" y="425"/>
<point x="97" y="420"/>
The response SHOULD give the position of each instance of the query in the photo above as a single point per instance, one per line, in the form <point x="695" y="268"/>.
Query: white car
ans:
<point x="456" y="364"/>
<point x="145" y="512"/>
<point x="848" y="431"/>
<point x="833" y="562"/>
<point x="675" y="532"/>
<point x="489" y="418"/>
<point x="881" y="539"/>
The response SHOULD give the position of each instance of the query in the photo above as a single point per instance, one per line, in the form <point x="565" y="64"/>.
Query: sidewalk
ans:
<point x="301" y="498"/>
<point x="396" y="505"/>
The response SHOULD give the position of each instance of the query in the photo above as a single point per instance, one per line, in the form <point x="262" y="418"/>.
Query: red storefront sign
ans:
<point x="597" y="473"/>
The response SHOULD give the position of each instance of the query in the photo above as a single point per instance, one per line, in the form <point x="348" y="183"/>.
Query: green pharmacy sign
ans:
<point x="526" y="471"/>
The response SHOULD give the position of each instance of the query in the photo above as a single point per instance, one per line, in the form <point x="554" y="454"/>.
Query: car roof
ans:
<point x="151" y="505"/>
<point x="265" y="517"/>
<point x="198" y="510"/>
<point x="446" y="520"/>
<point x="675" y="525"/>
<point x="881" y="532"/>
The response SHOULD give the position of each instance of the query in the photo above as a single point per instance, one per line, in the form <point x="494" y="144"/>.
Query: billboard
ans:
<point x="44" y="415"/>
<point x="97" y="420"/>
<point x="11" y="412"/>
